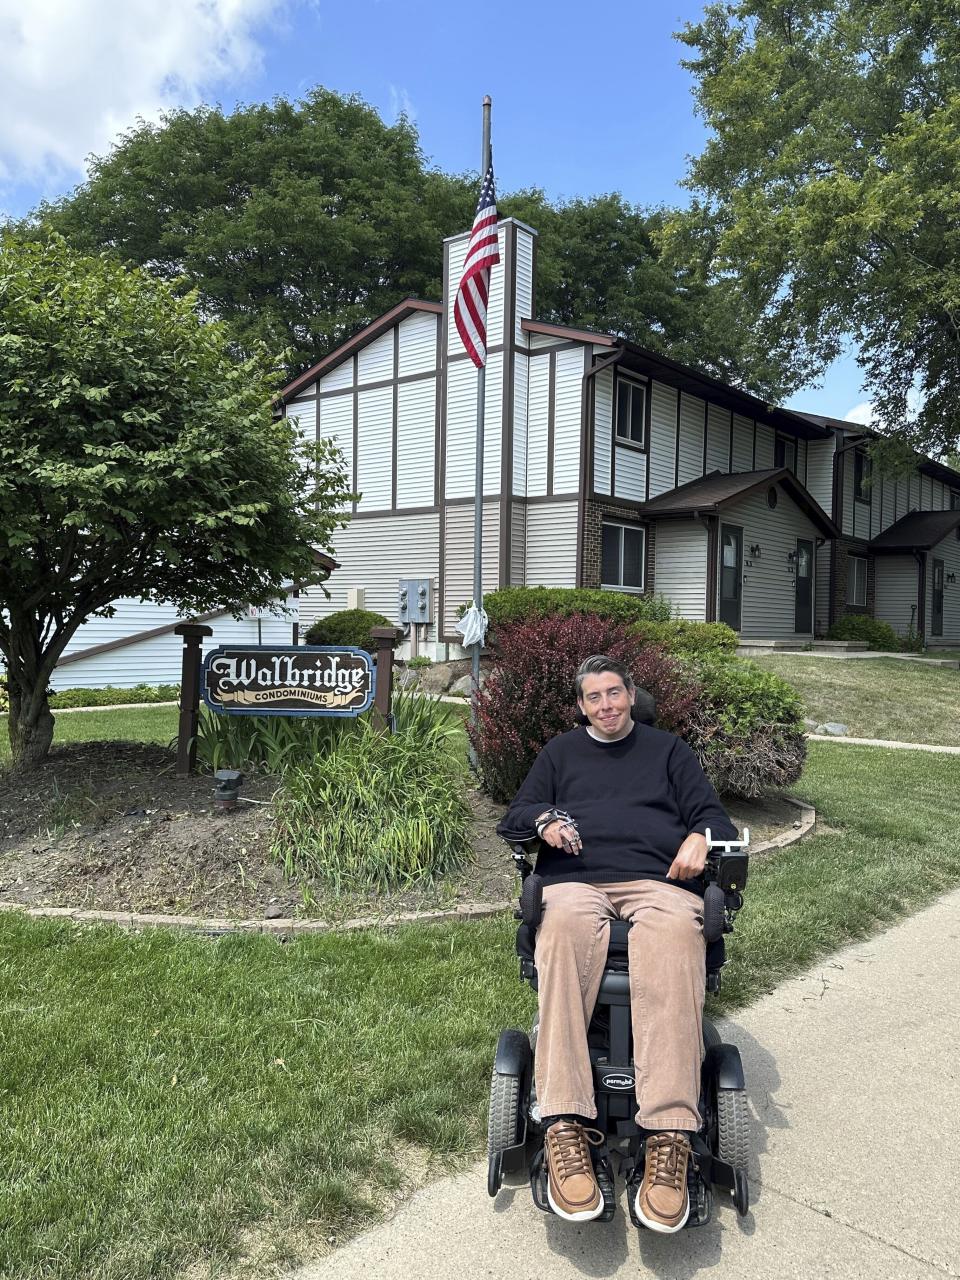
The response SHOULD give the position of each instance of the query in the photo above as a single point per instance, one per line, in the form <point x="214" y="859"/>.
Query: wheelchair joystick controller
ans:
<point x="726" y="874"/>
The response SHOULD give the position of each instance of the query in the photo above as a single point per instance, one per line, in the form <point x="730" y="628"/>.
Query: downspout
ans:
<point x="921" y="559"/>
<point x="711" y="524"/>
<point x="586" y="448"/>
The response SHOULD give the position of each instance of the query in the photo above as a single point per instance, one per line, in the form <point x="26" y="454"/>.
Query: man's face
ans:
<point x="606" y="702"/>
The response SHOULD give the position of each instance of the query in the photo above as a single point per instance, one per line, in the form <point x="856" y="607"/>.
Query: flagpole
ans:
<point x="478" y="478"/>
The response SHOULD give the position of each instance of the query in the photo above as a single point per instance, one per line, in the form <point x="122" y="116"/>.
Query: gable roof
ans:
<point x="918" y="530"/>
<point x="362" y="338"/>
<point x="712" y="493"/>
<point x="856" y="431"/>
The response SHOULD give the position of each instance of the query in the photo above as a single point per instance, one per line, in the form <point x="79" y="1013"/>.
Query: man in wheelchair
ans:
<point x="622" y="811"/>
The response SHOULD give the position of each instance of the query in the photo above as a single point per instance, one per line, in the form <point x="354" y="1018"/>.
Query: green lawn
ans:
<point x="143" y="724"/>
<point x="877" y="698"/>
<point x="168" y="1097"/>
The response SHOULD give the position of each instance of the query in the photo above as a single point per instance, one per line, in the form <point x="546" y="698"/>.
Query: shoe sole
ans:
<point x="583" y="1215"/>
<point x="660" y="1227"/>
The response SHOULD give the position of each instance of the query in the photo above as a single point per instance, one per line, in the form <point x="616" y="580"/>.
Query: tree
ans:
<point x="137" y="458"/>
<point x="828" y="197"/>
<point x="299" y="223"/>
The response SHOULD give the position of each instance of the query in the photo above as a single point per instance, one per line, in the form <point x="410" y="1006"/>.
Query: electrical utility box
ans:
<point x="415" y="600"/>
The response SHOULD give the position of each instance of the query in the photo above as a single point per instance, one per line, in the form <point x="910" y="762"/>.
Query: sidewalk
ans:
<point x="855" y="1085"/>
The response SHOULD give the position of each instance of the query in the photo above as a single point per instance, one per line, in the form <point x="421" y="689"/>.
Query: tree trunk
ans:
<point x="29" y="739"/>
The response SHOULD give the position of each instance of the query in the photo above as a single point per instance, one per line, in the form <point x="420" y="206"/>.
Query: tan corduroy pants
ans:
<point x="667" y="981"/>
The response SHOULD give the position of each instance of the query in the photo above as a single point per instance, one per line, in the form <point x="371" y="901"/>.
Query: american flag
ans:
<point x="470" y="304"/>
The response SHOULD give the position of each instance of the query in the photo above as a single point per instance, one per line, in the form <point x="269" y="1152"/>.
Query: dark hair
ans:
<point x="598" y="663"/>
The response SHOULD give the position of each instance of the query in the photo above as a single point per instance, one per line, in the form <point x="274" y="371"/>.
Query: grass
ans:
<point x="141" y="724"/>
<point x="168" y="1097"/>
<point x="877" y="698"/>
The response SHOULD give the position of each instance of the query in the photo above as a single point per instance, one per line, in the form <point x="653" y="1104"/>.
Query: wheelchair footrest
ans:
<point x="603" y="1168"/>
<point x="698" y="1191"/>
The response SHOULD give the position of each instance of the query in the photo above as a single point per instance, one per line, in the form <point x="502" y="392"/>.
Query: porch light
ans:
<point x="791" y="556"/>
<point x="951" y="577"/>
<point x="755" y="551"/>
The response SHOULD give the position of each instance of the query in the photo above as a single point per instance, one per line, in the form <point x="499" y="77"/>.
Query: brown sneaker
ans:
<point x="662" y="1201"/>
<point x="571" y="1183"/>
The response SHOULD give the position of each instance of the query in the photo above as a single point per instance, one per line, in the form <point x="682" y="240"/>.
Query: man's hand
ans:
<point x="561" y="835"/>
<point x="691" y="858"/>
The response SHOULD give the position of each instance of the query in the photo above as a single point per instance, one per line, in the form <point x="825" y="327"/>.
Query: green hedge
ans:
<point x="524" y="604"/>
<point x="349" y="626"/>
<point x="743" y="697"/>
<point x="857" y="626"/>
<point x="689" y="639"/>
<point x="108" y="696"/>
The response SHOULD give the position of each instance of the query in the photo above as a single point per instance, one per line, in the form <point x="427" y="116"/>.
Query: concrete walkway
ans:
<point x="882" y="742"/>
<point x="854" y="1078"/>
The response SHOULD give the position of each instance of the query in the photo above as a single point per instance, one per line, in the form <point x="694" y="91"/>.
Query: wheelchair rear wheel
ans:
<point x="733" y="1140"/>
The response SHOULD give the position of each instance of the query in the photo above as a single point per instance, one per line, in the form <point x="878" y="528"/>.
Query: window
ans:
<point x="785" y="453"/>
<point x="857" y="581"/>
<point x="622" y="555"/>
<point x="954" y="500"/>
<point x="630" y="411"/>
<point x="862" y="473"/>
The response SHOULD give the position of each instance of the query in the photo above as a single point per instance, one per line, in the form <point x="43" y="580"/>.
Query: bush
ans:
<point x="857" y="626"/>
<point x="108" y="696"/>
<point x="4" y="696"/>
<point x="348" y="627"/>
<point x="524" y="604"/>
<point x="528" y="697"/>
<point x="379" y="810"/>
<point x="689" y="639"/>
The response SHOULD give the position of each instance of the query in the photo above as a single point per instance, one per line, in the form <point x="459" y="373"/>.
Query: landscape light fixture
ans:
<point x="227" y="790"/>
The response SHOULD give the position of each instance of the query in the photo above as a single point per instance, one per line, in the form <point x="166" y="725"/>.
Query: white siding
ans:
<point x="765" y="447"/>
<point x="861" y="520"/>
<point x="524" y="280"/>
<point x="304" y="413"/>
<point x="375" y="554"/>
<point x="888" y="497"/>
<point x="458" y="558"/>
<point x="742" y="443"/>
<point x="895" y="599"/>
<point x="821" y="594"/>
<point x="335" y="422"/>
<point x="375" y="449"/>
<point x="820" y="472"/>
<point x="518" y="543"/>
<point x="538" y="395"/>
<point x="336" y="379"/>
<point x="949" y="552"/>
<point x="630" y="474"/>
<point x="769" y="586"/>
<point x="846" y="523"/>
<point x="416" y="442"/>
<point x="681" y="567"/>
<point x="521" y="375"/>
<point x="802" y="461"/>
<point x="458" y="249"/>
<point x="418" y="343"/>
<point x="540" y="340"/>
<point x="492" y="427"/>
<point x="914" y="501"/>
<point x="551" y="545"/>
<point x="718" y="439"/>
<point x="159" y="660"/>
<point x="663" y="437"/>
<point x="566" y="422"/>
<point x="375" y="361"/>
<point x="462" y="427"/>
<point x="691" y="438"/>
<point x="602" y="430"/>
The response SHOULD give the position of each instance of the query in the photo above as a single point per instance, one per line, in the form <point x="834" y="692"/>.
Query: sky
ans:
<point x="585" y="100"/>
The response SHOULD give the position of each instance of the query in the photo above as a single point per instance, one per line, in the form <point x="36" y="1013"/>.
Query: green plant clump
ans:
<point x="857" y="626"/>
<point x="348" y="627"/>
<point x="525" y="604"/>
<point x="419" y="662"/>
<point x="4" y="697"/>
<point x="109" y="696"/>
<point x="270" y="743"/>
<point x="689" y="639"/>
<point x="379" y="810"/>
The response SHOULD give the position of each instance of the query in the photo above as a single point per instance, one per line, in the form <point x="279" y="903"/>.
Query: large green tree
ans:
<point x="828" y="194"/>
<point x="299" y="222"/>
<point x="138" y="457"/>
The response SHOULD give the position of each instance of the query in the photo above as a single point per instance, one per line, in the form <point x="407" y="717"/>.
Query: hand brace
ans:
<point x="570" y="845"/>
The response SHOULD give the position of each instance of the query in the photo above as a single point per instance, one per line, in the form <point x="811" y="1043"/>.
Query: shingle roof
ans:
<point x="920" y="529"/>
<point x="719" y="489"/>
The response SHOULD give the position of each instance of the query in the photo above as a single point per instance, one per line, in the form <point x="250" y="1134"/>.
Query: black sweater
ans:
<point x="635" y="802"/>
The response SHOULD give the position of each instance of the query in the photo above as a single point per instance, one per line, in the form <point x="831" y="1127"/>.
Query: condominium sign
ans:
<point x="303" y="680"/>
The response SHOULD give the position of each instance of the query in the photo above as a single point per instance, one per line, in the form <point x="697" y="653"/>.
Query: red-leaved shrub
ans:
<point x="528" y="697"/>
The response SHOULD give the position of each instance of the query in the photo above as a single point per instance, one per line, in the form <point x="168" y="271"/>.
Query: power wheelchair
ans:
<point x="720" y="1150"/>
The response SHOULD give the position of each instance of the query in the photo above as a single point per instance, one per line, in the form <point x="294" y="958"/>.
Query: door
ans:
<point x="731" y="574"/>
<point x="803" y="613"/>
<point x="936" y="622"/>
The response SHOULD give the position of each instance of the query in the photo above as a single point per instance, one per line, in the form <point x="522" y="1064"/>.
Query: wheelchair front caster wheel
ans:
<point x="741" y="1193"/>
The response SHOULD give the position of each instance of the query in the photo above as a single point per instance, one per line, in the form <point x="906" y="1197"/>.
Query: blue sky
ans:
<point x="584" y="100"/>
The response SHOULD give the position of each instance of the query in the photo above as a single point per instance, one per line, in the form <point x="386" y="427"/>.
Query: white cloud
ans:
<point x="401" y="104"/>
<point x="74" y="74"/>
<point x="862" y="414"/>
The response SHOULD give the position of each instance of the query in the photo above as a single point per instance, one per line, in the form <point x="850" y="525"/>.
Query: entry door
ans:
<point x="731" y="574"/>
<point x="936" y="627"/>
<point x="803" y="614"/>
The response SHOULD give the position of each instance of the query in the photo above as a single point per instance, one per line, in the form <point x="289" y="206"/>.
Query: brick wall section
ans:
<point x="593" y="517"/>
<point x="847" y="547"/>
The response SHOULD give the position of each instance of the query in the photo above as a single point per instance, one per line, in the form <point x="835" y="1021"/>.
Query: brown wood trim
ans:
<point x="922" y="595"/>
<point x="554" y="346"/>
<point x="382" y="513"/>
<point x="551" y="418"/>
<point x="506" y="405"/>
<point x="648" y="439"/>
<point x="356" y="427"/>
<point x="753" y="464"/>
<point x="362" y="338"/>
<point x="395" y="415"/>
<point x="540" y="499"/>
<point x="713" y="554"/>
<point x="706" y="415"/>
<point x="378" y="385"/>
<point x="568" y="332"/>
<point x="730" y="450"/>
<point x="676" y="459"/>
<point x="464" y="355"/>
<point x="437" y="411"/>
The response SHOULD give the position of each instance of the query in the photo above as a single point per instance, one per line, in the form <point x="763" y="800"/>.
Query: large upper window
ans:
<point x="622" y="555"/>
<point x="954" y="500"/>
<point x="785" y="453"/>
<point x="862" y="471"/>
<point x="857" y="581"/>
<point x="631" y="411"/>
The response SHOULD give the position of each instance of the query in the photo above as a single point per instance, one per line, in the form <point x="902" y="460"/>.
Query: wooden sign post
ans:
<point x="193" y="633"/>
<point x="386" y="638"/>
